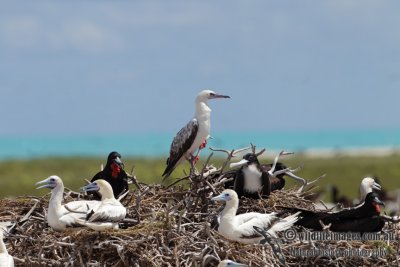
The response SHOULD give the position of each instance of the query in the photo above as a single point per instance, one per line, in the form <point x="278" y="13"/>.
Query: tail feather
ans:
<point x="168" y="170"/>
<point x="283" y="224"/>
<point x="97" y="226"/>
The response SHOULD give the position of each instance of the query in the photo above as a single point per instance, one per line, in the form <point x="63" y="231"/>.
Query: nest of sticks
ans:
<point x="170" y="226"/>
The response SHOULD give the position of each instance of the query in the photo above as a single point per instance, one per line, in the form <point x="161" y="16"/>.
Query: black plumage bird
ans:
<point x="254" y="179"/>
<point x="113" y="173"/>
<point x="277" y="182"/>
<point x="362" y="218"/>
<point x="251" y="181"/>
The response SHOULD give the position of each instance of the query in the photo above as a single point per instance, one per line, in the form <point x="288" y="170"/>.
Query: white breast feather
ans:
<point x="252" y="179"/>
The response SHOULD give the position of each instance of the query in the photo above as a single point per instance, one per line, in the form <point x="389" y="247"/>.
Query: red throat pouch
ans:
<point x="377" y="208"/>
<point x="115" y="170"/>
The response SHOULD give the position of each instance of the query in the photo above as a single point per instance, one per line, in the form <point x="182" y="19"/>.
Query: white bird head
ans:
<point x="51" y="182"/>
<point x="368" y="184"/>
<point x="205" y="95"/>
<point x="227" y="195"/>
<point x="101" y="186"/>
<point x="226" y="263"/>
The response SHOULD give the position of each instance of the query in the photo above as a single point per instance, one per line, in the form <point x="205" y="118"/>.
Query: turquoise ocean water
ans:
<point x="157" y="144"/>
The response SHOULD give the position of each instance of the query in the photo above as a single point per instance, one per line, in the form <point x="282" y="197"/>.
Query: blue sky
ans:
<point x="74" y="67"/>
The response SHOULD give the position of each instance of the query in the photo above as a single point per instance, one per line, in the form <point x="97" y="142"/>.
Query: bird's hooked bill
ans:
<point x="90" y="187"/>
<point x="118" y="161"/>
<point x="46" y="184"/>
<point x="376" y="186"/>
<point x="221" y="197"/>
<point x="215" y="95"/>
<point x="378" y="201"/>
<point x="238" y="164"/>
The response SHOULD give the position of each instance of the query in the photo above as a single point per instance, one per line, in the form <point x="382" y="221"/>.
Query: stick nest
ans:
<point x="173" y="226"/>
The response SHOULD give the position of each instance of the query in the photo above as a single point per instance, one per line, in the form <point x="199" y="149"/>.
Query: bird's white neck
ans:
<point x="56" y="198"/>
<point x="203" y="111"/>
<point x="364" y="190"/>
<point x="229" y="212"/>
<point x="2" y="245"/>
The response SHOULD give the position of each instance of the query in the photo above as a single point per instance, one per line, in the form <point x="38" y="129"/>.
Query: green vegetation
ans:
<point x="19" y="176"/>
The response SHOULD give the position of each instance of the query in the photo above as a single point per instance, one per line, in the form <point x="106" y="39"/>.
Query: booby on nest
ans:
<point x="6" y="260"/>
<point x="194" y="135"/>
<point x="240" y="227"/>
<point x="109" y="213"/>
<point x="61" y="216"/>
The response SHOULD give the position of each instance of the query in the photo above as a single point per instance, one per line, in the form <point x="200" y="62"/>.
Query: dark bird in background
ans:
<point x="192" y="137"/>
<point x="251" y="181"/>
<point x="362" y="218"/>
<point x="114" y="174"/>
<point x="336" y="198"/>
<point x="254" y="179"/>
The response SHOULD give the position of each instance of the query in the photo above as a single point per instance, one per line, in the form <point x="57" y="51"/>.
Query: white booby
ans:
<point x="58" y="216"/>
<point x="229" y="263"/>
<point x="109" y="213"/>
<point x="193" y="136"/>
<point x="240" y="227"/>
<point x="6" y="260"/>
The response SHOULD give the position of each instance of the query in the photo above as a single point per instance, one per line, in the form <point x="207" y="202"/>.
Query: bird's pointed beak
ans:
<point x="238" y="164"/>
<point x="236" y="264"/>
<point x="90" y="187"/>
<point x="220" y="197"/>
<point x="214" y="96"/>
<point x="377" y="201"/>
<point x="46" y="183"/>
<point x="118" y="161"/>
<point x="376" y="186"/>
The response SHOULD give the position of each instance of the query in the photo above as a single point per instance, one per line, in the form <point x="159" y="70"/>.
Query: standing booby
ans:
<point x="6" y="260"/>
<point x="60" y="216"/>
<point x="240" y="227"/>
<point x="362" y="218"/>
<point x="251" y="181"/>
<point x="193" y="136"/>
<point x="109" y="213"/>
<point x="114" y="174"/>
<point x="229" y="263"/>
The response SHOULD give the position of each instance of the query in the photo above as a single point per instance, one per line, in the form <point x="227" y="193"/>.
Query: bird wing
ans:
<point x="69" y="219"/>
<point x="181" y="143"/>
<point x="266" y="189"/>
<point x="77" y="210"/>
<point x="83" y="205"/>
<point x="108" y="212"/>
<point x="244" y="223"/>
<point x="239" y="183"/>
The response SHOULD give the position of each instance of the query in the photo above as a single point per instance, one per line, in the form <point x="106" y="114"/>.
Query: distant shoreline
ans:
<point x="156" y="145"/>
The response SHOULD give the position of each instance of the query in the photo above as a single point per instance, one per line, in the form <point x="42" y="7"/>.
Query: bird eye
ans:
<point x="227" y="194"/>
<point x="212" y="94"/>
<point x="52" y="180"/>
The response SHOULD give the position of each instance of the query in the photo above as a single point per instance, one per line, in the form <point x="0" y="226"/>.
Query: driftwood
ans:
<point x="171" y="226"/>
